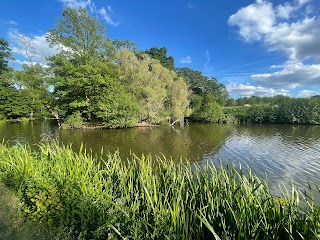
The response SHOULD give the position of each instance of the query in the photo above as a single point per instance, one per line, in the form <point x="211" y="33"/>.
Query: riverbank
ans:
<point x="87" y="197"/>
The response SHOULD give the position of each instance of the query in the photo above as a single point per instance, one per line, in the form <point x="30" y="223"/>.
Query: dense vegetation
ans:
<point x="279" y="109"/>
<point x="94" y="80"/>
<point x="86" y="197"/>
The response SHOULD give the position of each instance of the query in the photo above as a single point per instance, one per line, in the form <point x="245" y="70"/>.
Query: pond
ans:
<point x="282" y="152"/>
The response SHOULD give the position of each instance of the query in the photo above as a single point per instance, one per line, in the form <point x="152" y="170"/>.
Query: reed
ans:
<point x="85" y="196"/>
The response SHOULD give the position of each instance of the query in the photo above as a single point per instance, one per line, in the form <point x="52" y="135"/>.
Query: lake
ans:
<point x="282" y="152"/>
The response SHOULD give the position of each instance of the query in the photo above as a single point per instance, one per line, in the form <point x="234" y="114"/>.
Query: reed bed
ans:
<point x="82" y="196"/>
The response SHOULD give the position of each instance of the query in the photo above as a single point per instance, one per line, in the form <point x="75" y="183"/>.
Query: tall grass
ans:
<point x="90" y="197"/>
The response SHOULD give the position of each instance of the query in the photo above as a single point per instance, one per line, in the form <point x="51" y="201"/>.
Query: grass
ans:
<point x="82" y="196"/>
<point x="13" y="225"/>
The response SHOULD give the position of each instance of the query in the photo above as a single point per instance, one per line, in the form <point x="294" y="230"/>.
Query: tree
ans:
<point x="79" y="36"/>
<point x="86" y="81"/>
<point x="208" y="110"/>
<point x="202" y="85"/>
<point x="31" y="82"/>
<point x="5" y="55"/>
<point x="161" y="55"/>
<point x="160" y="93"/>
<point x="12" y="102"/>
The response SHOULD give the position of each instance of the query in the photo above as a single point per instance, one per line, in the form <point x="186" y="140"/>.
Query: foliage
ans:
<point x="207" y="110"/>
<point x="109" y="82"/>
<point x="73" y="121"/>
<point x="107" y="198"/>
<point x="13" y="103"/>
<point x="288" y="110"/>
<point x="31" y="83"/>
<point x="117" y="108"/>
<point x="161" y="55"/>
<point x="79" y="36"/>
<point x="85" y="80"/>
<point x="202" y="85"/>
<point x="160" y="93"/>
<point x="5" y="55"/>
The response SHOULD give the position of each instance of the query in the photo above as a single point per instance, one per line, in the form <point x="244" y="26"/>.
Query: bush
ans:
<point x="74" y="120"/>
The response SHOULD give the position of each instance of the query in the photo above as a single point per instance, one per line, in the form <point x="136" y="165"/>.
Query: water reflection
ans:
<point x="190" y="142"/>
<point x="283" y="152"/>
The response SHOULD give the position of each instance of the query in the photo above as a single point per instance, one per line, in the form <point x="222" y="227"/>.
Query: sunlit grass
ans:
<point x="105" y="197"/>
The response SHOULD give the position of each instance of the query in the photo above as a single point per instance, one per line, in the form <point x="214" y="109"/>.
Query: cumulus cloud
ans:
<point x="307" y="93"/>
<point x="254" y="21"/>
<point x="262" y="21"/>
<point x="104" y="13"/>
<point x="288" y="29"/>
<point x="290" y="75"/>
<point x="245" y="90"/>
<point x="32" y="48"/>
<point x="284" y="11"/>
<point x="186" y="60"/>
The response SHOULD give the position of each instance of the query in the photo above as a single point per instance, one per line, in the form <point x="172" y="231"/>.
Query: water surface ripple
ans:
<point x="282" y="152"/>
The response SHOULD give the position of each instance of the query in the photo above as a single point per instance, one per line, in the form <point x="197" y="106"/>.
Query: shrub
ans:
<point x="74" y="120"/>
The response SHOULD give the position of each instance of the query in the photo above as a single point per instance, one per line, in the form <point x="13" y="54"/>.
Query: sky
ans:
<point x="261" y="48"/>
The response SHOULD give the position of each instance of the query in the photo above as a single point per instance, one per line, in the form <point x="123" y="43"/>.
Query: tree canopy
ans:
<point x="161" y="55"/>
<point x="103" y="82"/>
<point x="5" y="55"/>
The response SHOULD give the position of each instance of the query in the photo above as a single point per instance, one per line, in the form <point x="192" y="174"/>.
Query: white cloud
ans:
<point x="254" y="20"/>
<point x="306" y="93"/>
<point x="284" y="11"/>
<point x="11" y="22"/>
<point x="290" y="75"/>
<point x="298" y="40"/>
<point x="32" y="48"/>
<point x="261" y="21"/>
<point x="104" y="12"/>
<point x="245" y="90"/>
<point x="30" y="63"/>
<point x="208" y="69"/>
<point x="75" y="3"/>
<point x="288" y="29"/>
<point x="186" y="60"/>
<point x="106" y="15"/>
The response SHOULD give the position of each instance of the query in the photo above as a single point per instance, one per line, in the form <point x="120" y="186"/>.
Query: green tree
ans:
<point x="208" y="110"/>
<point x="86" y="80"/>
<point x="79" y="36"/>
<point x="5" y="55"/>
<point x="31" y="81"/>
<point x="12" y="102"/>
<point x="202" y="85"/>
<point x="160" y="93"/>
<point x="161" y="55"/>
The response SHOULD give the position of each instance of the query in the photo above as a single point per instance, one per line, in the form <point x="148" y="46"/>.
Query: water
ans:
<point x="282" y="152"/>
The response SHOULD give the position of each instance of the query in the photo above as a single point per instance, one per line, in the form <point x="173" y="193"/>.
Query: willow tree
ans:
<point x="160" y="93"/>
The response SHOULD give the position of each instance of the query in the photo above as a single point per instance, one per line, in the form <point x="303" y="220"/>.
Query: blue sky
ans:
<point x="261" y="47"/>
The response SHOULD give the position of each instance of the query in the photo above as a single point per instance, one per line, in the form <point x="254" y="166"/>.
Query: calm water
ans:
<point x="283" y="152"/>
